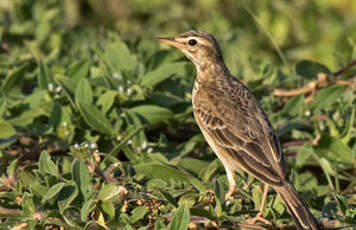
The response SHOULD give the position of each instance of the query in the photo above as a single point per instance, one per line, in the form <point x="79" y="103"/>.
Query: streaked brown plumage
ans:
<point x="235" y="125"/>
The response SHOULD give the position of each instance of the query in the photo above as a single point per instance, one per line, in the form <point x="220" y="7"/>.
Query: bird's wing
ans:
<point x="239" y="126"/>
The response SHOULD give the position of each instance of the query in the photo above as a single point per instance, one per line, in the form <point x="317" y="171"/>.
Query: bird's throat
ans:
<point x="210" y="70"/>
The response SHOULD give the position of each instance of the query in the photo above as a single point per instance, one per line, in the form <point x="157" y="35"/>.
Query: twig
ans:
<point x="6" y="211"/>
<point x="344" y="69"/>
<point x="294" y="143"/>
<point x="312" y="87"/>
<point x="289" y="93"/>
<point x="19" y="226"/>
<point x="107" y="177"/>
<point x="322" y="81"/>
<point x="250" y="226"/>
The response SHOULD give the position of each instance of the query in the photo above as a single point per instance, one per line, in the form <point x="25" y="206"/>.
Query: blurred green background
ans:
<point x="319" y="30"/>
<point x="96" y="124"/>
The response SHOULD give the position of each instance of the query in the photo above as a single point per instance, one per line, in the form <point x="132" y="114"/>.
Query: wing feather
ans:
<point x="242" y="130"/>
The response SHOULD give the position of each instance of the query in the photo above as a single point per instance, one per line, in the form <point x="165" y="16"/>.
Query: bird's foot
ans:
<point x="228" y="195"/>
<point x="258" y="217"/>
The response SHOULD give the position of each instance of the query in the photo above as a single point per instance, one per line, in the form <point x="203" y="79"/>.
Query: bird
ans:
<point x="236" y="127"/>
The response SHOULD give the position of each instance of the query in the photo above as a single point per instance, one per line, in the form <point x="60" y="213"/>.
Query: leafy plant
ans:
<point x="97" y="130"/>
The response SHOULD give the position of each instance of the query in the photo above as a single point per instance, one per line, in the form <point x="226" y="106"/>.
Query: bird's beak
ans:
<point x="171" y="42"/>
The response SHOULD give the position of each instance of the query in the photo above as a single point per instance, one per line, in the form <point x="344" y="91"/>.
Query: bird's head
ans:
<point x="200" y="47"/>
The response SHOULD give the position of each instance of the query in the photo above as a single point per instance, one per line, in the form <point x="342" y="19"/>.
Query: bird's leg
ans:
<point x="232" y="184"/>
<point x="259" y="217"/>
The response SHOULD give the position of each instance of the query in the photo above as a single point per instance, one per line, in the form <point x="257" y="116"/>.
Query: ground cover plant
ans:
<point x="96" y="126"/>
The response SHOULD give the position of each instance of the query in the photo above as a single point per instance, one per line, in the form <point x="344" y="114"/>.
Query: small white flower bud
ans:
<point x="58" y="89"/>
<point x="120" y="89"/>
<point x="93" y="145"/>
<point x="144" y="145"/>
<point x="128" y="91"/>
<point x="117" y="76"/>
<point x="150" y="150"/>
<point x="50" y="87"/>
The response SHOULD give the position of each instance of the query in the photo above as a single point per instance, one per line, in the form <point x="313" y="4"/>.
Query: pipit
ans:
<point x="235" y="126"/>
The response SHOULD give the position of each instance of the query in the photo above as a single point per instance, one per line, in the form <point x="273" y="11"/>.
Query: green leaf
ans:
<point x="67" y="195"/>
<point x="193" y="165"/>
<point x="309" y="69"/>
<point x="342" y="203"/>
<point x="168" y="173"/>
<point x="106" y="100"/>
<point x="6" y="129"/>
<point x="181" y="217"/>
<point x="95" y="118"/>
<point x="26" y="117"/>
<point x="37" y="189"/>
<point x="44" y="76"/>
<point x="83" y="92"/>
<point x="52" y="192"/>
<point x="13" y="80"/>
<point x="152" y="114"/>
<point x="119" y="146"/>
<point x="109" y="192"/>
<point x="46" y="165"/>
<point x="108" y="208"/>
<point x="328" y="96"/>
<point x="26" y="177"/>
<point x="294" y="105"/>
<point x="334" y="149"/>
<point x="86" y="209"/>
<point x="67" y="83"/>
<point x="168" y="197"/>
<point x="28" y="205"/>
<point x="118" y="56"/>
<point x="81" y="175"/>
<point x="304" y="154"/>
<point x="138" y="213"/>
<point x="328" y="170"/>
<point x="160" y="225"/>
<point x="161" y="73"/>
<point x="79" y="70"/>
<point x="202" y="212"/>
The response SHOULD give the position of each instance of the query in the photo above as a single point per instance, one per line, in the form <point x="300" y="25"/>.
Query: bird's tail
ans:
<point x="297" y="208"/>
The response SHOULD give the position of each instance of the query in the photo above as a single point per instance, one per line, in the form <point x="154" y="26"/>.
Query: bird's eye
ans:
<point x="192" y="42"/>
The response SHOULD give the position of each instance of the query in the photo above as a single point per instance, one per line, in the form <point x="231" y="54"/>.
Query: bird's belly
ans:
<point x="226" y="158"/>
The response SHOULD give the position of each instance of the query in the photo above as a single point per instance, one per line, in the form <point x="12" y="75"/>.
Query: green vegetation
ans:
<point x="96" y="126"/>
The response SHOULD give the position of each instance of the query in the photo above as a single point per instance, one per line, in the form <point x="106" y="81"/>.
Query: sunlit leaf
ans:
<point x="152" y="114"/>
<point x="53" y="191"/>
<point x="334" y="149"/>
<point x="167" y="173"/>
<point x="118" y="56"/>
<point x="95" y="118"/>
<point x="6" y="129"/>
<point x="161" y="73"/>
<point x="83" y="92"/>
<point x="180" y="219"/>
<point x="328" y="96"/>
<point x="80" y="175"/>
<point x="79" y="69"/>
<point x="106" y="100"/>
<point x="46" y="165"/>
